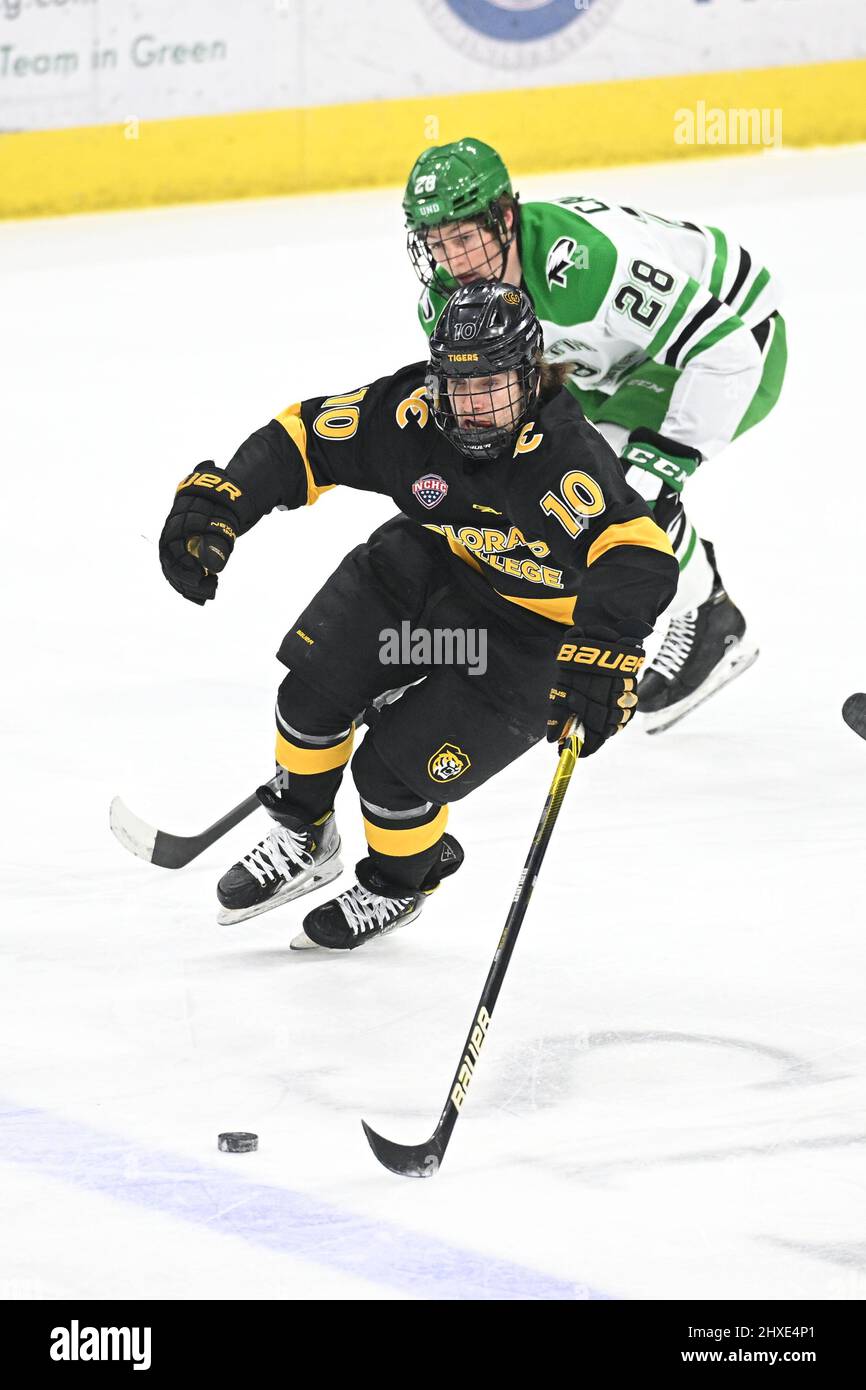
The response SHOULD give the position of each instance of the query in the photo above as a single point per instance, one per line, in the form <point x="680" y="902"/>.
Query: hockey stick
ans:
<point x="173" y="851"/>
<point x="854" y="713"/>
<point x="423" y="1160"/>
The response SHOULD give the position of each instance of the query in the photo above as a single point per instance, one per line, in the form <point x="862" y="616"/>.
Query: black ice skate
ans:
<point x="362" y="913"/>
<point x="292" y="860"/>
<point x="703" y="650"/>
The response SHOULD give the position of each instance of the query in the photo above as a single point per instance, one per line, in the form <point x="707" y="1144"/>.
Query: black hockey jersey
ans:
<point x="552" y="529"/>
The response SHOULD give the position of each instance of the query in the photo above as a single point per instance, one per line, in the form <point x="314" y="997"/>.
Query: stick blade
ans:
<point x="146" y="842"/>
<point x="854" y="713"/>
<point x="174" y="851"/>
<point x="407" y="1160"/>
<point x="132" y="832"/>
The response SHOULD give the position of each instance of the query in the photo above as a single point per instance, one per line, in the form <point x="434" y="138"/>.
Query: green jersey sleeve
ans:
<point x="430" y="307"/>
<point x="568" y="262"/>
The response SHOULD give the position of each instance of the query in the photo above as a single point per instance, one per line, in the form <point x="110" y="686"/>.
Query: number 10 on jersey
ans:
<point x="581" y="499"/>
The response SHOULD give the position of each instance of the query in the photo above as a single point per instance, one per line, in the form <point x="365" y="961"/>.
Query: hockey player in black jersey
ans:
<point x="514" y="519"/>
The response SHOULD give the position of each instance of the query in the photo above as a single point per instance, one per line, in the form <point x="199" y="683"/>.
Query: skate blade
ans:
<point x="302" y="942"/>
<point x="735" y="661"/>
<point x="325" y="873"/>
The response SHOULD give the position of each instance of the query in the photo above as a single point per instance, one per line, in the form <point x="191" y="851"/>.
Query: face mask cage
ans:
<point x="472" y="428"/>
<point x="489" y="266"/>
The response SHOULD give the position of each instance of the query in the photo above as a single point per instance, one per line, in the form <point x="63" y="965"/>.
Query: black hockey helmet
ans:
<point x="485" y="330"/>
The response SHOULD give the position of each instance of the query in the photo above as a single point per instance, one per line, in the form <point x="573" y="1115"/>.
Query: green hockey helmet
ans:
<point x="456" y="183"/>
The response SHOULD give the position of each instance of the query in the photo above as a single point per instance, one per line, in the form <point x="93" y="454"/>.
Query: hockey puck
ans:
<point x="238" y="1143"/>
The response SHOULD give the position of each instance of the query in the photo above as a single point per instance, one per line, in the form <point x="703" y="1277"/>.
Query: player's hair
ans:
<point x="552" y="377"/>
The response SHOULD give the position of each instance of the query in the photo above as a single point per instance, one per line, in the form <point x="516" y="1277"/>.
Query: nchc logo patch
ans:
<point x="430" y="489"/>
<point x="448" y="762"/>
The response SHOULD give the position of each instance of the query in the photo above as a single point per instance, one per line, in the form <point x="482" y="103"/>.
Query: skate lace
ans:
<point x="282" y="852"/>
<point x="364" y="911"/>
<point x="677" y="645"/>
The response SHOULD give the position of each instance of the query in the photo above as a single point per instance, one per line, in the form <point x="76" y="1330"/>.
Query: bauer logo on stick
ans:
<point x="467" y="1067"/>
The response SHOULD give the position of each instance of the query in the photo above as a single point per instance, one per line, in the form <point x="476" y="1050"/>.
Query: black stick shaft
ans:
<point x="175" y="851"/>
<point x="569" y="753"/>
<point x="170" y="851"/>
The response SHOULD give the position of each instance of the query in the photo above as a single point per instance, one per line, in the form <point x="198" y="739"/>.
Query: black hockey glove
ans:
<point x="200" y="532"/>
<point x="596" y="684"/>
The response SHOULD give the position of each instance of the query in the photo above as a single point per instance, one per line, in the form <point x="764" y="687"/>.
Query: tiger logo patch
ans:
<point x="448" y="762"/>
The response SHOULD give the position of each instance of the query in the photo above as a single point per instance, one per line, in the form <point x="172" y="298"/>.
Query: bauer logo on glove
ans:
<point x="214" y="480"/>
<point x="199" y="534"/>
<point x="606" y="658"/>
<point x="596" y="686"/>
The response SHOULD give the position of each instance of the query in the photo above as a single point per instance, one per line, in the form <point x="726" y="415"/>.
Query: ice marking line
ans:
<point x="771" y="1148"/>
<point x="851" y="1254"/>
<point x="276" y="1218"/>
<point x="548" y="1072"/>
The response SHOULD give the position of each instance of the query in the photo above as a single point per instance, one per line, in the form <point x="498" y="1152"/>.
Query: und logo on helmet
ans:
<point x="448" y="762"/>
<point x="511" y="297"/>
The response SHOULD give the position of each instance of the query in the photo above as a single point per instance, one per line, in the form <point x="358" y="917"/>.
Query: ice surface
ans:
<point x="671" y="1102"/>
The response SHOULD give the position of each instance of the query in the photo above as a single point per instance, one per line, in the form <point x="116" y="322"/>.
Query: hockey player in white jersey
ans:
<point x="675" y="346"/>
